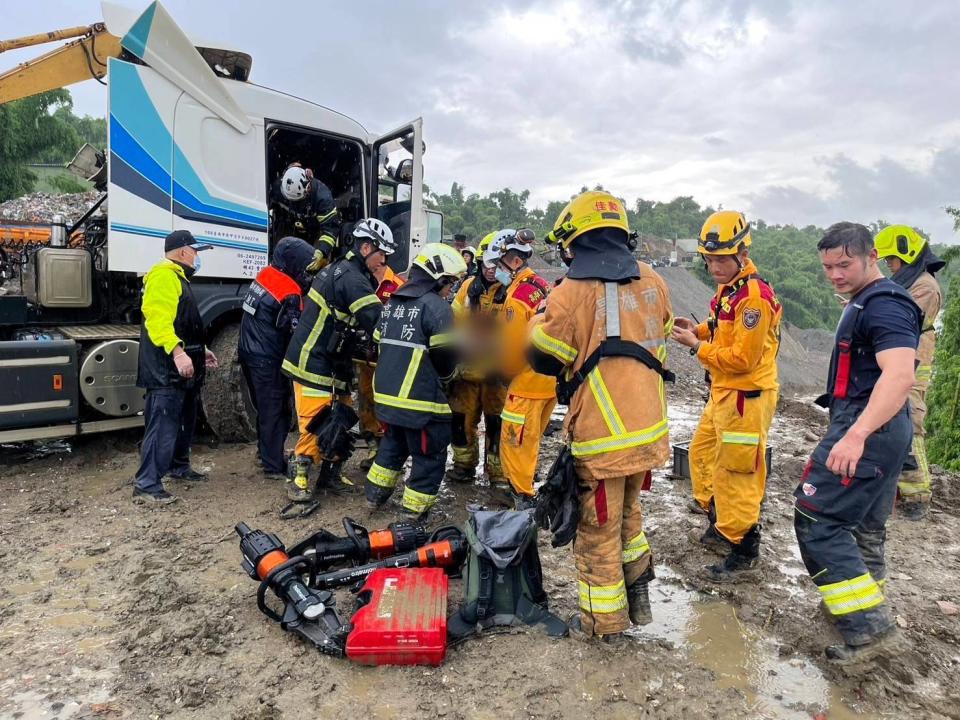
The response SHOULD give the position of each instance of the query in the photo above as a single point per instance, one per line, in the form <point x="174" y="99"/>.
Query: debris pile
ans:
<point x="41" y="207"/>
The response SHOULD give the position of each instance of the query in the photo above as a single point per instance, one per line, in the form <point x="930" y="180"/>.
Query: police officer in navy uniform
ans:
<point x="271" y="310"/>
<point x="849" y="486"/>
<point x="417" y="358"/>
<point x="171" y="366"/>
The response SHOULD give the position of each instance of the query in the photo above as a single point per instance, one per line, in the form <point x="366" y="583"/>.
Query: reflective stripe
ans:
<point x="363" y="302"/>
<point x="442" y="339"/>
<point x="605" y="403"/>
<point x="317" y="328"/>
<point x="412" y="369"/>
<point x="322" y="380"/>
<point x="402" y="343"/>
<point x="924" y="373"/>
<point x="327" y="239"/>
<point x="321" y="218"/>
<point x="635" y="548"/>
<point x="384" y="477"/>
<point x="552" y="346"/>
<point x="668" y="327"/>
<point x="512" y="417"/>
<point x="602" y="599"/>
<point x="313" y="392"/>
<point x="847" y="596"/>
<point x="376" y="335"/>
<point x="736" y="438"/>
<point x="410" y="404"/>
<point x="417" y="501"/>
<point x="619" y="442"/>
<point x="612" y="307"/>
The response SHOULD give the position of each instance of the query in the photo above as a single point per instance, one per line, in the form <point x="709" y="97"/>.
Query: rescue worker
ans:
<point x="171" y="367"/>
<point x="478" y="391"/>
<point x="271" y="310"/>
<point x="914" y="267"/>
<point x="469" y="254"/>
<point x="417" y="357"/>
<point x="847" y="490"/>
<point x="304" y="207"/>
<point x="341" y="299"/>
<point x="370" y="428"/>
<point x="738" y="348"/>
<point x="604" y="332"/>
<point x="530" y="397"/>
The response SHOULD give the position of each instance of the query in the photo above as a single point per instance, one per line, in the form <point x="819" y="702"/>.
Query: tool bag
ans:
<point x="332" y="426"/>
<point x="504" y="581"/>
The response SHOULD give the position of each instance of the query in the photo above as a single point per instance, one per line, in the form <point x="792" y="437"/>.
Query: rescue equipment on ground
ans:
<point x="504" y="581"/>
<point x="326" y="550"/>
<point x="401" y="618"/>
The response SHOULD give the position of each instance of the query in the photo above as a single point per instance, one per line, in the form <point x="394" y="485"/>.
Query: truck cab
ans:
<point x="192" y="144"/>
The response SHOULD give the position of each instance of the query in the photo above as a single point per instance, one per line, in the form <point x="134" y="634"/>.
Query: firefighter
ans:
<point x="417" y="357"/>
<point x="604" y="331"/>
<point x="370" y="428"/>
<point x="341" y="299"/>
<point x="469" y="254"/>
<point x="478" y="391"/>
<point x="914" y="266"/>
<point x="303" y="206"/>
<point x="849" y="485"/>
<point x="738" y="348"/>
<point x="530" y="396"/>
<point x="271" y="310"/>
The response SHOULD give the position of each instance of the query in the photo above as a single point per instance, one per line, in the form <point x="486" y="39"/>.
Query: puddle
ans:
<point x="75" y="620"/>
<point x="15" y="453"/>
<point x="709" y="630"/>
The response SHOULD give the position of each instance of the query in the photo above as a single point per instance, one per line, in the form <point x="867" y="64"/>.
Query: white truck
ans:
<point x="192" y="144"/>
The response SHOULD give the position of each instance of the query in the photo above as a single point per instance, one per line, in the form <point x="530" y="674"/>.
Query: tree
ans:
<point x="943" y="399"/>
<point x="29" y="127"/>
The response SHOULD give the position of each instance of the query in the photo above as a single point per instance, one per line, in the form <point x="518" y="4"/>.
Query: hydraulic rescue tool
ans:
<point x="326" y="550"/>
<point x="307" y="612"/>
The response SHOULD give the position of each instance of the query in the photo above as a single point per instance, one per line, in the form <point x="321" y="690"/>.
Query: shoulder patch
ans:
<point x="531" y="292"/>
<point x="751" y="317"/>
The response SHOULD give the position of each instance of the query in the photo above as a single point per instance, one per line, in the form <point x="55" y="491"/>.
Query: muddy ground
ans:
<point x="113" y="610"/>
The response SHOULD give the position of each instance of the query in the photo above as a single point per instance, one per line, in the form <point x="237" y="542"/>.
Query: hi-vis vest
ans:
<point x="406" y="387"/>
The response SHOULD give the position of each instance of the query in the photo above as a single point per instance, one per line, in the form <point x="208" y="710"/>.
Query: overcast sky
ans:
<point x="801" y="112"/>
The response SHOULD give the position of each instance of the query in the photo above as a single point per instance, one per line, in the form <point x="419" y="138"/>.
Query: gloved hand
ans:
<point x="320" y="261"/>
<point x="183" y="362"/>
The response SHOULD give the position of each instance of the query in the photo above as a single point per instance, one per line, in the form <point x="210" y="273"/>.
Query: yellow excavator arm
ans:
<point x="81" y="59"/>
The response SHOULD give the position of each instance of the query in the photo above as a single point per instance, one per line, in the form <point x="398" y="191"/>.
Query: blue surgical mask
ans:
<point x="196" y="263"/>
<point x="504" y="277"/>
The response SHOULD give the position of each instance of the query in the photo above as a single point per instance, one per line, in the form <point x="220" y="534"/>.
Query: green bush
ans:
<point x="943" y="398"/>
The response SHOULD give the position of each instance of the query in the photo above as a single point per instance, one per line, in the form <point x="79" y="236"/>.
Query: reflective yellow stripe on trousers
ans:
<point x="384" y="477"/>
<point x="417" y="501"/>
<point x="847" y="596"/>
<point x="739" y="438"/>
<point x="603" y="598"/>
<point x="635" y="548"/>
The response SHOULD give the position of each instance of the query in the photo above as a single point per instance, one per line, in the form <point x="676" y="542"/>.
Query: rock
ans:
<point x="947" y="607"/>
<point x="810" y="437"/>
<point x="902" y="622"/>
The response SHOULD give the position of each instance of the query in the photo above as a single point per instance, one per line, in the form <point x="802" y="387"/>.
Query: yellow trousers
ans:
<point x="727" y="457"/>
<point x="524" y="422"/>
<point x="469" y="400"/>
<point x="915" y="482"/>
<point x="611" y="551"/>
<point x="309" y="403"/>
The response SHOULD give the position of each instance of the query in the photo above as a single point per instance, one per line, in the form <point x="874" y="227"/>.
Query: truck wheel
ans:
<point x="227" y="405"/>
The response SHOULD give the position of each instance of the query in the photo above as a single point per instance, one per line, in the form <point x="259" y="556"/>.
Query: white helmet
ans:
<point x="520" y="241"/>
<point x="440" y="261"/>
<point x="377" y="232"/>
<point x="294" y="183"/>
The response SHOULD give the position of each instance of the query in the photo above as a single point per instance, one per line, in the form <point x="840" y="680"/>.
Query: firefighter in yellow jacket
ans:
<point x="914" y="266"/>
<point x="604" y="334"/>
<point x="738" y="348"/>
<point x="479" y="391"/>
<point x="530" y="397"/>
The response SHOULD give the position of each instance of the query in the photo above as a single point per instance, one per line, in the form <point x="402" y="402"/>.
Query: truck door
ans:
<point x="396" y="191"/>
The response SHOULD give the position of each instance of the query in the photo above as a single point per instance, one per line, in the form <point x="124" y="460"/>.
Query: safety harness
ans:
<point x="612" y="346"/>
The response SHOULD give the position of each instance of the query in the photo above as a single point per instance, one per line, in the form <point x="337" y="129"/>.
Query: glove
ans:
<point x="184" y="364"/>
<point x="320" y="261"/>
<point x="558" y="502"/>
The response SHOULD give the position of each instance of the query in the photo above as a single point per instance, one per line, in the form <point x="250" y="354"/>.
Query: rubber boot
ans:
<point x="373" y="444"/>
<point x="329" y="479"/>
<point x="714" y="541"/>
<point x="615" y="640"/>
<point x="638" y="598"/>
<point x="742" y="561"/>
<point x="376" y="495"/>
<point x="298" y="485"/>
<point x="461" y="474"/>
<point x="887" y="642"/>
<point x="915" y="510"/>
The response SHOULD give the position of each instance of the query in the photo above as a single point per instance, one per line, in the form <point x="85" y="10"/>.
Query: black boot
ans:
<point x="914" y="510"/>
<point x="638" y="599"/>
<point x="742" y="561"/>
<point x="887" y="642"/>
<point x="713" y="540"/>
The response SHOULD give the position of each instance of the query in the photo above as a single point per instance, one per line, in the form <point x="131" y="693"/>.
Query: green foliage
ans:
<point x="28" y="128"/>
<point x="682" y="217"/>
<point x="943" y="398"/>
<point x="67" y="184"/>
<point x="88" y="129"/>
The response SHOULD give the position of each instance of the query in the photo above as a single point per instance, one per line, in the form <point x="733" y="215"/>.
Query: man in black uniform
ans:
<point x="304" y="207"/>
<point x="849" y="485"/>
<point x="271" y="310"/>
<point x="417" y="357"/>
<point x="319" y="358"/>
<point x="171" y="366"/>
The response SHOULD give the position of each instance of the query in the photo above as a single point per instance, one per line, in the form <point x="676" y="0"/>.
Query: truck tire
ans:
<point x="227" y="404"/>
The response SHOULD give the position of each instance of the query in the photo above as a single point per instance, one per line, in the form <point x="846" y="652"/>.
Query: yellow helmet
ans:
<point x="723" y="232"/>
<point x="485" y="243"/>
<point x="588" y="211"/>
<point x="440" y="261"/>
<point x="899" y="241"/>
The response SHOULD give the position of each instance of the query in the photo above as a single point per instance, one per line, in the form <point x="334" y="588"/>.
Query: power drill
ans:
<point x="307" y="612"/>
<point x="326" y="550"/>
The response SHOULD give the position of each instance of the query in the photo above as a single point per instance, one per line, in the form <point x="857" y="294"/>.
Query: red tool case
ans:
<point x="403" y="620"/>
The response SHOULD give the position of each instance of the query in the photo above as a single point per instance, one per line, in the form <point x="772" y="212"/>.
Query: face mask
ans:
<point x="196" y="263"/>
<point x="503" y="276"/>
